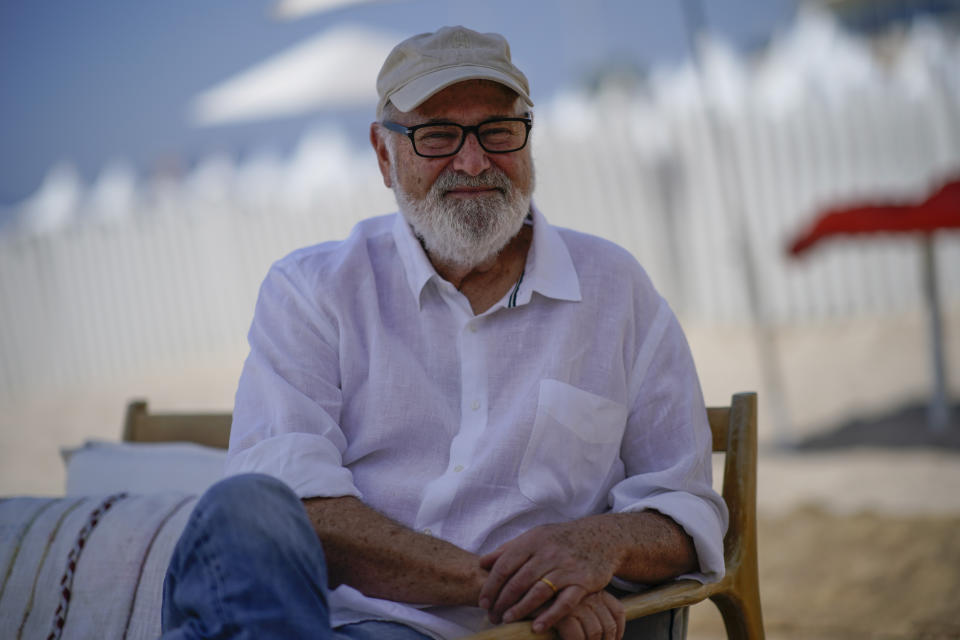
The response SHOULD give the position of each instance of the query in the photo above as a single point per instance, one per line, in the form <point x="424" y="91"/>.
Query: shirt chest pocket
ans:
<point x="573" y="450"/>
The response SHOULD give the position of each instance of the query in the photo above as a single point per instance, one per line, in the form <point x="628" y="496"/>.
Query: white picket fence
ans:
<point x="706" y="198"/>
<point x="723" y="204"/>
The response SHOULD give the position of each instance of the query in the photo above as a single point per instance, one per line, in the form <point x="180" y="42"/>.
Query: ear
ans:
<point x="378" y="140"/>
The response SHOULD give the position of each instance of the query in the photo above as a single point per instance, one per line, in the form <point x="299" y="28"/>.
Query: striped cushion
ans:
<point x="87" y="567"/>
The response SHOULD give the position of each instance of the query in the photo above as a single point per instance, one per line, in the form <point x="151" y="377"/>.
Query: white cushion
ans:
<point x="98" y="467"/>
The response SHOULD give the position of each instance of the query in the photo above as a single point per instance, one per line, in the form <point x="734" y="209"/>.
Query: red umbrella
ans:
<point x="940" y="211"/>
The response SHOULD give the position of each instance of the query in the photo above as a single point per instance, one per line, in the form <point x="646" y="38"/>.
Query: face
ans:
<point x="468" y="206"/>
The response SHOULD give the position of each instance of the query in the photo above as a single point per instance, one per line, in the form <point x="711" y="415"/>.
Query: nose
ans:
<point x="471" y="159"/>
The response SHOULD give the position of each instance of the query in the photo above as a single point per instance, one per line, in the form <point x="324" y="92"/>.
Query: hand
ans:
<point x="599" y="616"/>
<point x="571" y="556"/>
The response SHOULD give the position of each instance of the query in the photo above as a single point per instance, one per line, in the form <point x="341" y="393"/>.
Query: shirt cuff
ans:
<point x="309" y="464"/>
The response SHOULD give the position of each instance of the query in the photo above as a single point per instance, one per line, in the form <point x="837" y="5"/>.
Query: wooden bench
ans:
<point x="734" y="429"/>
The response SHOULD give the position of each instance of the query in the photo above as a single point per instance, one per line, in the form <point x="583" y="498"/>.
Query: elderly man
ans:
<point x="458" y="416"/>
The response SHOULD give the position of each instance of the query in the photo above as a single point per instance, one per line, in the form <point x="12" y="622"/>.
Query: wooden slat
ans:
<point x="719" y="418"/>
<point x="208" y="429"/>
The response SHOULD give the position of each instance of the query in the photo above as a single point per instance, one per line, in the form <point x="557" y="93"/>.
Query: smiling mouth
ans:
<point x="471" y="192"/>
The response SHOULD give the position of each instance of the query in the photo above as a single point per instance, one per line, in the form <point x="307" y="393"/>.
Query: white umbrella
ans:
<point x="293" y="9"/>
<point x="55" y="203"/>
<point x="113" y="196"/>
<point x="330" y="70"/>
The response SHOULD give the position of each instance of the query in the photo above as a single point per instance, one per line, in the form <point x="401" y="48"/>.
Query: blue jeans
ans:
<point x="249" y="565"/>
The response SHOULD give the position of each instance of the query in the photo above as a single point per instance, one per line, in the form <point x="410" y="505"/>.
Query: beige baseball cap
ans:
<point x="427" y="63"/>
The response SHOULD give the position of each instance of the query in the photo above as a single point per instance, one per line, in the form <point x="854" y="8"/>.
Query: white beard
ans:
<point x="464" y="233"/>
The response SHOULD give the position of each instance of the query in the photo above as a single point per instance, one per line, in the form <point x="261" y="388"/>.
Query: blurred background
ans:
<point x="156" y="157"/>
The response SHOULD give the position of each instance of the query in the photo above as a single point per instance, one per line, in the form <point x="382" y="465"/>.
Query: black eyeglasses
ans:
<point x="442" y="139"/>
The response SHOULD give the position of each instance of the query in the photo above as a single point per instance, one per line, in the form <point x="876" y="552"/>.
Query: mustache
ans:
<point x="491" y="178"/>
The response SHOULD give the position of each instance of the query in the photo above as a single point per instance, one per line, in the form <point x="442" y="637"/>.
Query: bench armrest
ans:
<point x="681" y="593"/>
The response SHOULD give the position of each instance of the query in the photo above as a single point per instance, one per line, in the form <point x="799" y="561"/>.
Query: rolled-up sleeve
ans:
<point x="287" y="407"/>
<point x="667" y="446"/>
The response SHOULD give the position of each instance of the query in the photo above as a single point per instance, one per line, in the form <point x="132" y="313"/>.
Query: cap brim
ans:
<point x="419" y="90"/>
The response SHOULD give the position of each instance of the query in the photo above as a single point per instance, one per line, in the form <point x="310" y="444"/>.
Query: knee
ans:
<point x="247" y="500"/>
<point x="246" y="488"/>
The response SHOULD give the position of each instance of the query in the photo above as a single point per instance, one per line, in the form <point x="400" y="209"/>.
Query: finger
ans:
<point x="590" y="621"/>
<point x="487" y="560"/>
<point x="607" y="621"/>
<point x="565" y="602"/>
<point x="501" y="571"/>
<point x="616" y="608"/>
<point x="569" y="629"/>
<point x="536" y="596"/>
<point x="525" y="581"/>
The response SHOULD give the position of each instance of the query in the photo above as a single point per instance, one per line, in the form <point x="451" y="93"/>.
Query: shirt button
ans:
<point x="458" y="468"/>
<point x="475" y="405"/>
<point x="472" y="327"/>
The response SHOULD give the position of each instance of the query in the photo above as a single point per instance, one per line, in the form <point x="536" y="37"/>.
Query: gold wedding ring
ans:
<point x="549" y="584"/>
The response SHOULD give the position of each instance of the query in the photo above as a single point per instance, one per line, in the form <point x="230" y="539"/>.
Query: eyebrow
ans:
<point x="525" y="114"/>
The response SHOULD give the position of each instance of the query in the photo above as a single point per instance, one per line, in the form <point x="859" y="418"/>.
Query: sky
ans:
<point x="91" y="82"/>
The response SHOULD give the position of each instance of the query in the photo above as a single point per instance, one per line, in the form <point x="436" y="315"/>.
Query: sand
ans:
<point x="858" y="539"/>
<point x="866" y="575"/>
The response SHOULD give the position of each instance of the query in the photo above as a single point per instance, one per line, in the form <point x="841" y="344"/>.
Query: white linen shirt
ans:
<point x="370" y="376"/>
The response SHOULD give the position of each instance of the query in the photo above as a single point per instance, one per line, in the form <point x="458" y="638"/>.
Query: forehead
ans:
<point x="471" y="100"/>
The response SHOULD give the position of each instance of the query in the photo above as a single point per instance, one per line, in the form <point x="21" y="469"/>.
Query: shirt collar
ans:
<point x="414" y="259"/>
<point x="549" y="270"/>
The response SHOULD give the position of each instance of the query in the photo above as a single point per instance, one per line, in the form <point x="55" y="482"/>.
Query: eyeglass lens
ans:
<point x="496" y="136"/>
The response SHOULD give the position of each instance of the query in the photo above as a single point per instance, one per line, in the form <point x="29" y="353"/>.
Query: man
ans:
<point x="480" y="417"/>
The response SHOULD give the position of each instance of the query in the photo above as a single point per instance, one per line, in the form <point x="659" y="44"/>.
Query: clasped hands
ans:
<point x="555" y="574"/>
